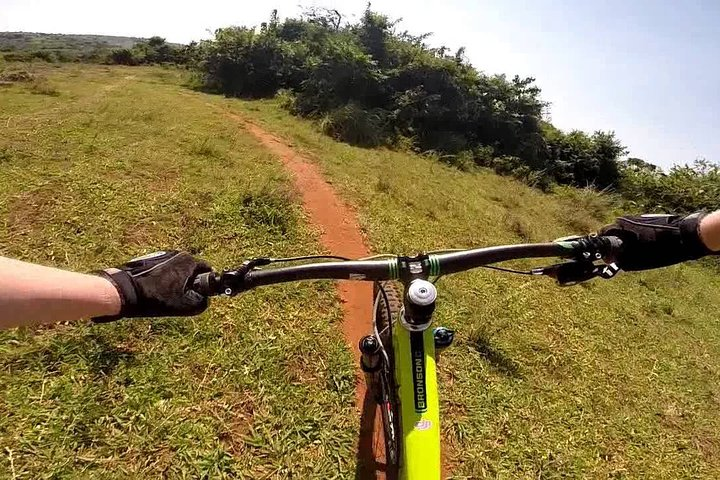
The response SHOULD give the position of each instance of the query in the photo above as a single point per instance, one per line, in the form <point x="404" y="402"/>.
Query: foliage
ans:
<point x="154" y="50"/>
<point x="685" y="188"/>
<point x="353" y="124"/>
<point x="395" y="89"/>
<point x="122" y="56"/>
<point x="241" y="62"/>
<point x="584" y="160"/>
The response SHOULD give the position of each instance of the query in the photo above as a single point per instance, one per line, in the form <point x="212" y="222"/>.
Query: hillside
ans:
<point x="609" y="379"/>
<point x="10" y="41"/>
<point x="62" y="45"/>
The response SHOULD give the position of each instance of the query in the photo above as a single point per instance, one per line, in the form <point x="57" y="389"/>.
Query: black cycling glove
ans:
<point x="157" y="285"/>
<point x="654" y="241"/>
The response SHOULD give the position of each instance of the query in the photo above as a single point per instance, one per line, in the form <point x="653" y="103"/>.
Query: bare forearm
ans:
<point x="710" y="231"/>
<point x="32" y="294"/>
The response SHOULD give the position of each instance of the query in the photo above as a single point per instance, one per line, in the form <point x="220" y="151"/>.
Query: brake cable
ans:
<point x="306" y="257"/>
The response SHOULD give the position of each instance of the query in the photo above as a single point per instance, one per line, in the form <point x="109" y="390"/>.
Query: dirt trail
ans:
<point x="340" y="234"/>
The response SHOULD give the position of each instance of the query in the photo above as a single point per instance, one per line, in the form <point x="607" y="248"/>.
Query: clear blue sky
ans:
<point x="647" y="69"/>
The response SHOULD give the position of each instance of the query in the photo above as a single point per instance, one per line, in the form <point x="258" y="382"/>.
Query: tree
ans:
<point x="640" y="164"/>
<point x="153" y="50"/>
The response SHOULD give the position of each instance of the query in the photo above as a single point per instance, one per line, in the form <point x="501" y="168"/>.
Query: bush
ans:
<point x="343" y="74"/>
<point x="17" y="77"/>
<point x="370" y="84"/>
<point x="40" y="86"/>
<point x="44" y="55"/>
<point x="599" y="205"/>
<point x="583" y="160"/>
<point x="286" y="99"/>
<point x="154" y="50"/>
<point x="242" y="63"/>
<point x="683" y="189"/>
<point x="354" y="125"/>
<point x="122" y="56"/>
<point x="463" y="161"/>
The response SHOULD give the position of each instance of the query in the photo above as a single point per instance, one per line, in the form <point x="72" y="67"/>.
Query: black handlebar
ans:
<point x="583" y="250"/>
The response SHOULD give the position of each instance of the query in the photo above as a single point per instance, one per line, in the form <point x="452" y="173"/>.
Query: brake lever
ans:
<point x="228" y="282"/>
<point x="594" y="247"/>
<point x="573" y="272"/>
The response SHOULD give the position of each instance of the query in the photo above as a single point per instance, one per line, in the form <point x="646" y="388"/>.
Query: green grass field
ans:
<point x="121" y="162"/>
<point x="612" y="379"/>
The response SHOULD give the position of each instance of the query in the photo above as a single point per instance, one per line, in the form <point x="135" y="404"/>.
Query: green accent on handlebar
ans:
<point x="434" y="265"/>
<point x="393" y="267"/>
<point x="567" y="245"/>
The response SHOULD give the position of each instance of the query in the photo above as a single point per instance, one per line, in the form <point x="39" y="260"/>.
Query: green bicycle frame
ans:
<point x="419" y="404"/>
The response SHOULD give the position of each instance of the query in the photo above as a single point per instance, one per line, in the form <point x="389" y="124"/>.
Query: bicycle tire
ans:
<point x="387" y="390"/>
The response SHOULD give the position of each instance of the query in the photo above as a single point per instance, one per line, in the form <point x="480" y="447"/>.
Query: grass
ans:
<point x="612" y="379"/>
<point x="607" y="380"/>
<point x="261" y="386"/>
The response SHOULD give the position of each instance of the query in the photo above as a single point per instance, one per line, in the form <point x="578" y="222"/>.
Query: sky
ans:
<point x="642" y="68"/>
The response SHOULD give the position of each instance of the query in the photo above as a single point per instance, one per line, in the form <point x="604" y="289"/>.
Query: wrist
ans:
<point x="109" y="302"/>
<point x="709" y="231"/>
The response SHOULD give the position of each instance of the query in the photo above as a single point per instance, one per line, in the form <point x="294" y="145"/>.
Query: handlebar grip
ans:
<point x="614" y="246"/>
<point x="206" y="284"/>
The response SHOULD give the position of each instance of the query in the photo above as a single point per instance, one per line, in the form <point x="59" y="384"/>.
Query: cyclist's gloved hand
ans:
<point x="157" y="285"/>
<point x="653" y="241"/>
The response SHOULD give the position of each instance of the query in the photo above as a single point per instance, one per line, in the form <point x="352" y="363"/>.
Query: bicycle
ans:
<point x="399" y="356"/>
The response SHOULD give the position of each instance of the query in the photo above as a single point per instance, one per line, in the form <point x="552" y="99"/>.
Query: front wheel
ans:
<point x="388" y="303"/>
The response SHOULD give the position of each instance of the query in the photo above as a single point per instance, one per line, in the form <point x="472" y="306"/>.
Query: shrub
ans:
<point x="122" y="56"/>
<point x="154" y="50"/>
<point x="40" y="86"/>
<point x="600" y="205"/>
<point x="17" y="77"/>
<point x="44" y="55"/>
<point x="286" y="99"/>
<point x="683" y="189"/>
<point x="484" y="155"/>
<point x="354" y="125"/>
<point x="463" y="161"/>
<point x="583" y="160"/>
<point x="240" y="62"/>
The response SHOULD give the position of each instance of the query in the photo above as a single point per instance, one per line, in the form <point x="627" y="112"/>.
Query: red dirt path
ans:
<point x="340" y="234"/>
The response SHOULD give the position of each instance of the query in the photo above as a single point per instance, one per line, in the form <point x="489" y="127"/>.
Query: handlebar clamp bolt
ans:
<point x="228" y="291"/>
<point x="598" y="256"/>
